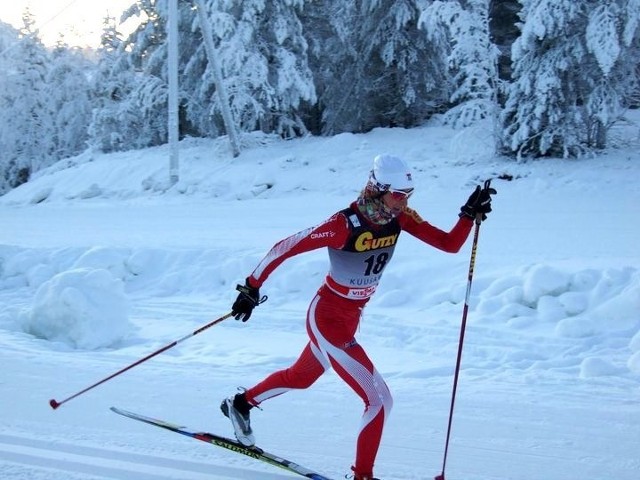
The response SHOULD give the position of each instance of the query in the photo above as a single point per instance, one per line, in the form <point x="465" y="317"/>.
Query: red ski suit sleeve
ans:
<point x="332" y="233"/>
<point x="450" y="241"/>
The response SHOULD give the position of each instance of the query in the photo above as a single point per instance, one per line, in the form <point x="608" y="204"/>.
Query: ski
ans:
<point x="232" y="445"/>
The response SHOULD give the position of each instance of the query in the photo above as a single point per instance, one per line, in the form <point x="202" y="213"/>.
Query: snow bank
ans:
<point x="579" y="303"/>
<point x="590" y="306"/>
<point x="83" y="308"/>
<point x="81" y="296"/>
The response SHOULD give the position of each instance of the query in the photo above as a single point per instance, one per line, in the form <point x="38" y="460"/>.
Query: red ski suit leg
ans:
<point x="331" y="323"/>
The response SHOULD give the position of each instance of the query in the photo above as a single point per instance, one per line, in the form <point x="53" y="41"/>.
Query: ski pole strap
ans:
<point x="252" y="294"/>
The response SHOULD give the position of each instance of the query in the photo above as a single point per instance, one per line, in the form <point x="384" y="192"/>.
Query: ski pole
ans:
<point x="55" y="404"/>
<point x="463" y="326"/>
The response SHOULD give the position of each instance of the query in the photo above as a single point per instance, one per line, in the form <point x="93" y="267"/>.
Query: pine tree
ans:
<point x="374" y="67"/>
<point x="24" y="116"/>
<point x="111" y="126"/>
<point x="69" y="102"/>
<point x="574" y="69"/>
<point x="263" y="56"/>
<point x="463" y="28"/>
<point x="145" y="51"/>
<point x="262" y="53"/>
<point x="503" y="25"/>
<point x="130" y="89"/>
<point x="9" y="38"/>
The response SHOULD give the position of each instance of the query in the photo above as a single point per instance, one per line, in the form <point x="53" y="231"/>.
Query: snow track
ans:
<point x="54" y="460"/>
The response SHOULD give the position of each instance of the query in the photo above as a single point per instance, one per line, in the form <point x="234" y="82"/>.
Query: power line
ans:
<point x="45" y="23"/>
<point x="64" y="9"/>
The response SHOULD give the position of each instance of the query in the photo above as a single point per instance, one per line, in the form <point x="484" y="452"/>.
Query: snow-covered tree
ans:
<point x="44" y="104"/>
<point x="122" y="119"/>
<point x="145" y="52"/>
<point x="24" y="117"/>
<point x="503" y="25"/>
<point x="373" y="66"/>
<point x="68" y="94"/>
<point x="575" y="64"/>
<point x="8" y="37"/>
<point x="263" y="55"/>
<point x="8" y="40"/>
<point x="463" y="28"/>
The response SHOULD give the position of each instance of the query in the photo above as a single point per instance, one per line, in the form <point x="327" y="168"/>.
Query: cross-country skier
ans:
<point x="360" y="240"/>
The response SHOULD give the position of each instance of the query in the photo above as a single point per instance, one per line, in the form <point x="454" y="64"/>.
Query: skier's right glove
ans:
<point x="248" y="299"/>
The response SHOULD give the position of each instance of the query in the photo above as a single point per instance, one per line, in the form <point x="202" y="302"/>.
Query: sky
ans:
<point x="79" y="20"/>
<point x="103" y="262"/>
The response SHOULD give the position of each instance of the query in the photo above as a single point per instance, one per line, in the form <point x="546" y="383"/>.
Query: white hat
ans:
<point x="390" y="172"/>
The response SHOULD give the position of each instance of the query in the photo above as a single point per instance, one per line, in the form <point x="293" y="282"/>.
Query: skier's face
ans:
<point x="396" y="201"/>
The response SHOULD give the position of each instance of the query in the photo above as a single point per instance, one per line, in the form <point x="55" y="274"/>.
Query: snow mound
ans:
<point x="82" y="308"/>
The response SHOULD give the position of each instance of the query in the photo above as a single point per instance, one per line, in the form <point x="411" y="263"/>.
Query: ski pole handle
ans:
<point x="55" y="404"/>
<point x="487" y="185"/>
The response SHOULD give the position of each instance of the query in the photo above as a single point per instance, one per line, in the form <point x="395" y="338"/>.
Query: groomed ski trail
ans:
<point x="41" y="459"/>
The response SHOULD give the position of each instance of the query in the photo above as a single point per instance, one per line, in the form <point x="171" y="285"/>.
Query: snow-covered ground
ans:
<point x="100" y="265"/>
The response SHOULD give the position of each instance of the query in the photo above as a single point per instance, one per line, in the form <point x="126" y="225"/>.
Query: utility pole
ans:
<point x="205" y="28"/>
<point x="172" y="67"/>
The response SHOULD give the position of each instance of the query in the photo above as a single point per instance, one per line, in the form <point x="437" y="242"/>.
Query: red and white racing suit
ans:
<point x="359" y="252"/>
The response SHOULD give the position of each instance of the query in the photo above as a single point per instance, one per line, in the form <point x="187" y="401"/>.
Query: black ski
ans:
<point x="253" y="452"/>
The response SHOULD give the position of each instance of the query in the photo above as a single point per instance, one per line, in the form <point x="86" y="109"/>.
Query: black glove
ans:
<point x="248" y="299"/>
<point x="479" y="203"/>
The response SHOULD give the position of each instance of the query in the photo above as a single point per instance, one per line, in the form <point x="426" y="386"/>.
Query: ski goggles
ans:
<point x="400" y="194"/>
<point x="397" y="193"/>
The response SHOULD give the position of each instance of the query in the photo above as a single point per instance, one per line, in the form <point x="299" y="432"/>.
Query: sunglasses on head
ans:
<point x="400" y="194"/>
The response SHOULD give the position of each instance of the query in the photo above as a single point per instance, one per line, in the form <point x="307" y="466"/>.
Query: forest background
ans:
<point x="554" y="76"/>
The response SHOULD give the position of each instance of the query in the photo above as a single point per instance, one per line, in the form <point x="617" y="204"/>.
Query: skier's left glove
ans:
<point x="247" y="300"/>
<point x="479" y="203"/>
